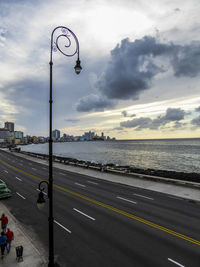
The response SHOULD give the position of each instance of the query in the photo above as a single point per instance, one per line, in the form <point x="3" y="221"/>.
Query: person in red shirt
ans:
<point x="10" y="237"/>
<point x="4" y="222"/>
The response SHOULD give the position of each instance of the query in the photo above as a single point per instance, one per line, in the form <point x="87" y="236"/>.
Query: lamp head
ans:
<point x="40" y="201"/>
<point x="78" y="67"/>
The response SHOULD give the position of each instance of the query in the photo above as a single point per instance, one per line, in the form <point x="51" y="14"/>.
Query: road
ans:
<point x="100" y="223"/>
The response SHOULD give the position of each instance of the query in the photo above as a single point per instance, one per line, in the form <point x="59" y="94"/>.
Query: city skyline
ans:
<point x="140" y="77"/>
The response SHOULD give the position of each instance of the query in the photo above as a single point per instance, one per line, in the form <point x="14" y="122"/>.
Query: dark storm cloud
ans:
<point x="134" y="65"/>
<point x="94" y="102"/>
<point x="131" y="69"/>
<point x="139" y="123"/>
<point x="171" y="115"/>
<point x="196" y="121"/>
<point x="186" y="61"/>
<point x="174" y="114"/>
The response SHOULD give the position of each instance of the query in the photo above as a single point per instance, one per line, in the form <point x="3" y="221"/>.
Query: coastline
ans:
<point x="174" y="188"/>
<point x="122" y="170"/>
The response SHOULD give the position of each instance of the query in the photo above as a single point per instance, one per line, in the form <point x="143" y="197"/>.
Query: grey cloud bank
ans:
<point x="134" y="65"/>
<point x="196" y="121"/>
<point x="93" y="102"/>
<point x="171" y="115"/>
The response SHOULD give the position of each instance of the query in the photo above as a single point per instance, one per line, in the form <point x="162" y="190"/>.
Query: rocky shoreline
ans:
<point x="187" y="177"/>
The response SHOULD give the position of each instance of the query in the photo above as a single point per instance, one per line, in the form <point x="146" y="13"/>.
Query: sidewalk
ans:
<point x="31" y="255"/>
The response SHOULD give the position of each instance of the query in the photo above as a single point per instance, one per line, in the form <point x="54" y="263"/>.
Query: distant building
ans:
<point x="103" y="136"/>
<point x="41" y="139"/>
<point x="88" y="136"/>
<point x="9" y="126"/>
<point x="56" y="134"/>
<point x="35" y="139"/>
<point x="4" y="134"/>
<point x="18" y="134"/>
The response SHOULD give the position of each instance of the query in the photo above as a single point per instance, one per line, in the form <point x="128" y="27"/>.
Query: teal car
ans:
<point x="4" y="191"/>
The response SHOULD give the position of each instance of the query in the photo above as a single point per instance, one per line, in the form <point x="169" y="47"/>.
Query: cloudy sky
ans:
<point x="140" y="60"/>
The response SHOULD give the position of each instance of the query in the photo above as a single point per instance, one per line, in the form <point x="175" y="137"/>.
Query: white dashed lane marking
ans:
<point x="62" y="226"/>
<point x="80" y="184"/>
<point x="20" y="195"/>
<point x="92" y="182"/>
<point x="84" y="214"/>
<point x="128" y="200"/>
<point x="150" y="198"/>
<point x="175" y="262"/>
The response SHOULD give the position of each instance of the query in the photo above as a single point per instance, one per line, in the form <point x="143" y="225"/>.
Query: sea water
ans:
<point x="167" y="154"/>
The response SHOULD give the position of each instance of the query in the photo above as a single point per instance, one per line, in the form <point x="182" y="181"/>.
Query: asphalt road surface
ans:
<point x="104" y="224"/>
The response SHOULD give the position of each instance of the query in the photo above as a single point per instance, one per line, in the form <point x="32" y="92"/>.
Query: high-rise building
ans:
<point x="18" y="134"/>
<point x="9" y="126"/>
<point x="4" y="134"/>
<point x="56" y="134"/>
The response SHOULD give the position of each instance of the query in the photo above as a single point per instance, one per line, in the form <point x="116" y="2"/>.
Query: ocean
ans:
<point x="181" y="155"/>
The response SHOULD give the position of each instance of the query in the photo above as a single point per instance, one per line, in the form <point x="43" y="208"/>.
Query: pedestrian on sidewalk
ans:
<point x="3" y="243"/>
<point x="10" y="237"/>
<point x="4" y="222"/>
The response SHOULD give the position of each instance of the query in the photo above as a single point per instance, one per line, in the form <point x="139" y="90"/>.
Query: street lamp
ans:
<point x="63" y="33"/>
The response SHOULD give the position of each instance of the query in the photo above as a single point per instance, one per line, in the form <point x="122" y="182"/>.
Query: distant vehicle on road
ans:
<point x="4" y="191"/>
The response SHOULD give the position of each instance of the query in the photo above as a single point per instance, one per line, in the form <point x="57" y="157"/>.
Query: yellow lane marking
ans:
<point x="129" y="215"/>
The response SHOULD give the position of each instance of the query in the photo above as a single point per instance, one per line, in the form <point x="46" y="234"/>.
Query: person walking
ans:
<point x="4" y="222"/>
<point x="10" y="237"/>
<point x="3" y="243"/>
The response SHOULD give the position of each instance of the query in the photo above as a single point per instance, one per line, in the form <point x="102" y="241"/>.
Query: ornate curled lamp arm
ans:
<point x="69" y="36"/>
<point x="41" y="194"/>
<point x="40" y="185"/>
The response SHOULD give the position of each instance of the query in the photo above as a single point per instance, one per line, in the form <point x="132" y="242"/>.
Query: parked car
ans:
<point x="4" y="191"/>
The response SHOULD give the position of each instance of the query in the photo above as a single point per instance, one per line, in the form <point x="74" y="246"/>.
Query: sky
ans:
<point x="140" y="63"/>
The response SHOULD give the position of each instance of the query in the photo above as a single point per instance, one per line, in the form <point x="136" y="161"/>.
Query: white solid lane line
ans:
<point x="63" y="227"/>
<point x="92" y="182"/>
<point x="80" y="184"/>
<point x="84" y="214"/>
<point x="20" y="195"/>
<point x="5" y="171"/>
<point x="150" y="198"/>
<point x="127" y="200"/>
<point x="42" y="191"/>
<point x="2" y="181"/>
<point x="175" y="262"/>
<point x="18" y="178"/>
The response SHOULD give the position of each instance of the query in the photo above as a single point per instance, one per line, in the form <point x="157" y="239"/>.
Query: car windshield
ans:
<point x="2" y="187"/>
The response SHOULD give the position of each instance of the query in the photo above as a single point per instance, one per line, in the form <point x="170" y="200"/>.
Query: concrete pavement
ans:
<point x="32" y="256"/>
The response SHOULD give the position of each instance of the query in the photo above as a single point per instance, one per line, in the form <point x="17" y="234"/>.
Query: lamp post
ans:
<point x="67" y="35"/>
